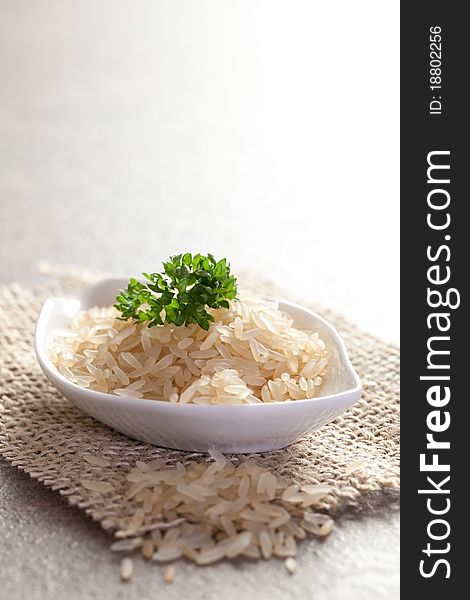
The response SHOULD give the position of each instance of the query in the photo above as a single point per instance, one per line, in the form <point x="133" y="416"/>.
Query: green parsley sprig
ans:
<point x="181" y="293"/>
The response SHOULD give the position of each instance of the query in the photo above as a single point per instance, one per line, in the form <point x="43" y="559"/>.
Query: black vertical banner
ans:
<point x="435" y="266"/>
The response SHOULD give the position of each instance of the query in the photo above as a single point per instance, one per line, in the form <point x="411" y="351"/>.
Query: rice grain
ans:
<point x="126" y="569"/>
<point x="291" y="565"/>
<point x="103" y="487"/>
<point x="169" y="574"/>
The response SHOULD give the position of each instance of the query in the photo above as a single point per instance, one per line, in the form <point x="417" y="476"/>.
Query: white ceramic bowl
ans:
<point x="238" y="428"/>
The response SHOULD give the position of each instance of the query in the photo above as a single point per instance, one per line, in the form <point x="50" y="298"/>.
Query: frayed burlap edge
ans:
<point x="42" y="434"/>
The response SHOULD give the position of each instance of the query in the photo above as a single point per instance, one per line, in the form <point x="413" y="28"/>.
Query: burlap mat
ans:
<point x="45" y="436"/>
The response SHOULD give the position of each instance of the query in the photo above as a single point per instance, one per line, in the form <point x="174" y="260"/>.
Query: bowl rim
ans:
<point x="52" y="373"/>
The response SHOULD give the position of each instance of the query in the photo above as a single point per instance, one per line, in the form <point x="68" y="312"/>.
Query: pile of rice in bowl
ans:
<point x="251" y="353"/>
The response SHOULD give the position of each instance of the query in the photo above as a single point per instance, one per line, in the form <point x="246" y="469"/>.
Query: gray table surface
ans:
<point x="128" y="133"/>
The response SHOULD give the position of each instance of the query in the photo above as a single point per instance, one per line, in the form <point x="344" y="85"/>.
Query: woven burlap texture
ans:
<point x="45" y="436"/>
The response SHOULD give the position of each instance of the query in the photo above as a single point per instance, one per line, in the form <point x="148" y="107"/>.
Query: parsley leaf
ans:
<point x="181" y="293"/>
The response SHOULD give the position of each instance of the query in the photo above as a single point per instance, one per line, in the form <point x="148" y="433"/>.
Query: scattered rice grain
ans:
<point x="97" y="486"/>
<point x="126" y="569"/>
<point x="291" y="565"/>
<point x="169" y="574"/>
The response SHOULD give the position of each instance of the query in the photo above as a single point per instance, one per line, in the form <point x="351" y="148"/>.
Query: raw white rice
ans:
<point x="97" y="486"/>
<point x="127" y="544"/>
<point x="251" y="353"/>
<point x="148" y="548"/>
<point x="169" y="574"/>
<point x="207" y="512"/>
<point x="126" y="569"/>
<point x="291" y="565"/>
